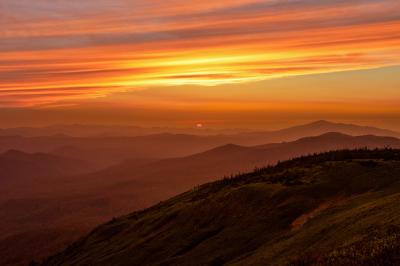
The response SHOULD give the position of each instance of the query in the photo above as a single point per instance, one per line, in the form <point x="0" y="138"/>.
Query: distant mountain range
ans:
<point x="108" y="150"/>
<point x="315" y="129"/>
<point x="69" y="205"/>
<point x="77" y="130"/>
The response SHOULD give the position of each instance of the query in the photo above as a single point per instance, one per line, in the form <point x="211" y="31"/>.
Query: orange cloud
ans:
<point x="64" y="51"/>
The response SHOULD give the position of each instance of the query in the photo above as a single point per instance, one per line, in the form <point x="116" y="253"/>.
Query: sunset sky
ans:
<point x="236" y="63"/>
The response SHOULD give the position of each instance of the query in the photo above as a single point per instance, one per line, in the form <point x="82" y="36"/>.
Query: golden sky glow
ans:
<point x="68" y="52"/>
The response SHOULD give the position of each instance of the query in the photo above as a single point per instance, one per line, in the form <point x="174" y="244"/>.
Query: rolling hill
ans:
<point x="83" y="201"/>
<point x="185" y="172"/>
<point x="106" y="151"/>
<point x="336" y="208"/>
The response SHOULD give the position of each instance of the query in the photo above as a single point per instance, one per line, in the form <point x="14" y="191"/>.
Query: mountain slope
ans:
<point x="90" y="199"/>
<point x="186" y="172"/>
<point x="311" y="129"/>
<point x="136" y="184"/>
<point x="296" y="212"/>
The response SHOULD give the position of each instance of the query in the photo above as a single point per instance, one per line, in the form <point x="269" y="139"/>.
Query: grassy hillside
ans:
<point x="37" y="209"/>
<point x="336" y="208"/>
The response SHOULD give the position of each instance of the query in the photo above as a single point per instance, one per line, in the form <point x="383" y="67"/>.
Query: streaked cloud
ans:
<point x="66" y="51"/>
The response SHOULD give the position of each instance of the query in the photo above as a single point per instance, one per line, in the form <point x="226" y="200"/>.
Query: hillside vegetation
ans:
<point x="35" y="208"/>
<point x="336" y="208"/>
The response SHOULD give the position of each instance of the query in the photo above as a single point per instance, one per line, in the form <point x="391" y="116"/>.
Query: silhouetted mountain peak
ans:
<point x="321" y="123"/>
<point x="229" y="147"/>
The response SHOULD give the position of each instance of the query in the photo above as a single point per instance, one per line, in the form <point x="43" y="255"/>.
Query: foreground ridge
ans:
<point x="334" y="208"/>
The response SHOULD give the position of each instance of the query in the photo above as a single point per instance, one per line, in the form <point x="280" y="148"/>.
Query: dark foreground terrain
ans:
<point x="336" y="208"/>
<point x="49" y="201"/>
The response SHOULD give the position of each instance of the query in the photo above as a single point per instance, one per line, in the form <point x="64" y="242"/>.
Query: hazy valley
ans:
<point x="51" y="199"/>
